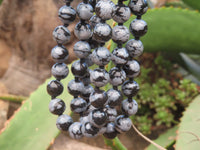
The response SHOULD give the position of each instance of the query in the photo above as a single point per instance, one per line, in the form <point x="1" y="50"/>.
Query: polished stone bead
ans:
<point x="120" y="34"/>
<point x="94" y="20"/>
<point x="75" y="88"/>
<point x="61" y="35"/>
<point x="117" y="76"/>
<point x="67" y="14"/>
<point x="59" y="54"/>
<point x="78" y="105"/>
<point x="79" y="69"/>
<point x="138" y="7"/>
<point x="84" y="11"/>
<point x="87" y="91"/>
<point x="98" y="98"/>
<point x="83" y="31"/>
<point x="64" y="122"/>
<point x="54" y="88"/>
<point x="59" y="71"/>
<point x="132" y="68"/>
<point x="57" y="106"/>
<point x="129" y="107"/>
<point x="138" y="27"/>
<point x="75" y="130"/>
<point x="82" y="49"/>
<point x="123" y="124"/>
<point x="89" y="130"/>
<point x="111" y="113"/>
<point x="130" y="88"/>
<point x="98" y="118"/>
<point x="121" y="13"/>
<point x="114" y="97"/>
<point x="120" y="56"/>
<point x="111" y="132"/>
<point x="134" y="47"/>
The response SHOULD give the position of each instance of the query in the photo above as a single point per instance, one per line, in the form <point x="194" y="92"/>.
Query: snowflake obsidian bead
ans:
<point x="138" y="7"/>
<point x="120" y="56"/>
<point x="111" y="132"/>
<point x="92" y="3"/>
<point x="59" y="54"/>
<point x="94" y="20"/>
<point x="60" y="71"/>
<point x="135" y="47"/>
<point x="101" y="56"/>
<point x="54" y="88"/>
<point x="104" y="9"/>
<point x="75" y="130"/>
<point x="99" y="77"/>
<point x="132" y="68"/>
<point x="78" y="105"/>
<point x="117" y="76"/>
<point x="89" y="130"/>
<point x="129" y="107"/>
<point x="57" y="106"/>
<point x="87" y="90"/>
<point x="75" y="88"/>
<point x="114" y="97"/>
<point x="123" y="124"/>
<point x="64" y="122"/>
<point x="98" y="118"/>
<point x="82" y="49"/>
<point x="111" y="113"/>
<point x="86" y="78"/>
<point x="102" y="32"/>
<point x="120" y="34"/>
<point x="138" y="27"/>
<point x="61" y="35"/>
<point x="98" y="98"/>
<point x="67" y="14"/>
<point x="130" y="88"/>
<point x="121" y="13"/>
<point x="83" y="31"/>
<point x="79" y="69"/>
<point x="84" y="11"/>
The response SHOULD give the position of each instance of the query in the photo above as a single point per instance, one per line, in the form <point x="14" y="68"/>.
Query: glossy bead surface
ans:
<point x="111" y="113"/>
<point x="134" y="47"/>
<point x="89" y="130"/>
<point x="117" y="76"/>
<point x="87" y="90"/>
<point x="120" y="34"/>
<point x="84" y="11"/>
<point x="99" y="77"/>
<point x="102" y="32"/>
<point x="61" y="35"/>
<point x="86" y="78"/>
<point x="75" y="130"/>
<point x="94" y="20"/>
<point x="59" y="54"/>
<point x="67" y="14"/>
<point x="123" y="124"/>
<point x="59" y="71"/>
<point x="92" y="3"/>
<point x="121" y="13"/>
<point x="57" y="106"/>
<point x="64" y="122"/>
<point x="54" y="88"/>
<point x="78" y="105"/>
<point x="82" y="49"/>
<point x="132" y="68"/>
<point x="101" y="56"/>
<point x="79" y="69"/>
<point x="138" y="7"/>
<point x="98" y="98"/>
<point x="138" y="27"/>
<point x="120" y="56"/>
<point x="83" y="31"/>
<point x="104" y="9"/>
<point x="93" y="43"/>
<point x="111" y="132"/>
<point x="75" y="88"/>
<point x="130" y="88"/>
<point x="114" y="97"/>
<point x="98" y="118"/>
<point x="129" y="108"/>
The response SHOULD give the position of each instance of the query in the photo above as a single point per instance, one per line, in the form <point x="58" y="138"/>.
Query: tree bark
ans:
<point x="26" y="28"/>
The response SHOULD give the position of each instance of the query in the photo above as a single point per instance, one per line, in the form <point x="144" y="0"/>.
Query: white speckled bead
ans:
<point x="120" y="56"/>
<point x="94" y="20"/>
<point x="132" y="68"/>
<point x="89" y="130"/>
<point x="114" y="97"/>
<point x="138" y="7"/>
<point x="82" y="49"/>
<point x="121" y="13"/>
<point x="117" y="76"/>
<point x="78" y="105"/>
<point x="64" y="122"/>
<point x="84" y="11"/>
<point x="83" y="31"/>
<point x="75" y="130"/>
<point x="138" y="27"/>
<point x="57" y="106"/>
<point x="123" y="124"/>
<point x="59" y="71"/>
<point x="129" y="108"/>
<point x="67" y="14"/>
<point x="135" y="47"/>
<point x="61" y="35"/>
<point x="75" y="88"/>
<point x="130" y="88"/>
<point x="59" y="54"/>
<point x="120" y="34"/>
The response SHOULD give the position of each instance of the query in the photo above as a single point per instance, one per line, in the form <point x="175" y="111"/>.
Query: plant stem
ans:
<point x="147" y="139"/>
<point x="13" y="98"/>
<point x="115" y="144"/>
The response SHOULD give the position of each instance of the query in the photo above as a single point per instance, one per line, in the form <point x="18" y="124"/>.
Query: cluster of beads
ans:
<point x="97" y="108"/>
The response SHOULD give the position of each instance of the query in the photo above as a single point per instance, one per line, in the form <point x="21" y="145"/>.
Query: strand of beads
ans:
<point x="60" y="70"/>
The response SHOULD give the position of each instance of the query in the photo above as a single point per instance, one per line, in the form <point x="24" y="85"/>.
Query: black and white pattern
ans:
<point x="54" y="88"/>
<point x="129" y="107"/>
<point x="79" y="69"/>
<point x="121" y="13"/>
<point x="89" y="130"/>
<point x="117" y="76"/>
<point x="75" y="130"/>
<point x="64" y="122"/>
<point x="120" y="34"/>
<point x="98" y="118"/>
<point x="123" y="124"/>
<point x="135" y="47"/>
<point x="82" y="49"/>
<point x="59" y="71"/>
<point x="98" y="98"/>
<point x="138" y="27"/>
<point x="84" y="11"/>
<point x="138" y="7"/>
<point x="78" y="105"/>
<point x="120" y="56"/>
<point x="111" y="132"/>
<point x="130" y="88"/>
<point x="57" y="106"/>
<point x="114" y="97"/>
<point x="83" y="31"/>
<point x="59" y="54"/>
<point x="132" y="68"/>
<point x="67" y="14"/>
<point x="61" y="35"/>
<point x="75" y="88"/>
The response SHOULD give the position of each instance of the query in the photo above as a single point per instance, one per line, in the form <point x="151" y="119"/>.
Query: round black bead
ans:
<point x="134" y="47"/>
<point x="111" y="113"/>
<point x="120" y="34"/>
<point x="82" y="49"/>
<point x="78" y="105"/>
<point x="54" y="88"/>
<point x="138" y="7"/>
<point x="61" y="35"/>
<point x="75" y="88"/>
<point x="114" y="97"/>
<point x="120" y="56"/>
<point x="111" y="132"/>
<point x="86" y="78"/>
<point x="59" y="54"/>
<point x="117" y="76"/>
<point x="138" y="27"/>
<point x="67" y="14"/>
<point x="83" y="31"/>
<point x="57" y="106"/>
<point x="121" y="13"/>
<point x="89" y="130"/>
<point x="132" y="68"/>
<point x="123" y="124"/>
<point x="98" y="98"/>
<point x="130" y="88"/>
<point x="64" y="122"/>
<point x="86" y="92"/>
<point x="98" y="118"/>
<point x="84" y="11"/>
<point x="60" y="71"/>
<point x="75" y="130"/>
<point x="79" y="69"/>
<point x="129" y="107"/>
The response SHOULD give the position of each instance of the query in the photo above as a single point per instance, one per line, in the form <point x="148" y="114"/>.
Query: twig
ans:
<point x="13" y="98"/>
<point x="147" y="139"/>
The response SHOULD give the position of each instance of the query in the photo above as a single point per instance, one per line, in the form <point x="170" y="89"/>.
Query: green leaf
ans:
<point x="165" y="139"/>
<point x="193" y="3"/>
<point x="171" y="30"/>
<point x="189" y="132"/>
<point x="33" y="126"/>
